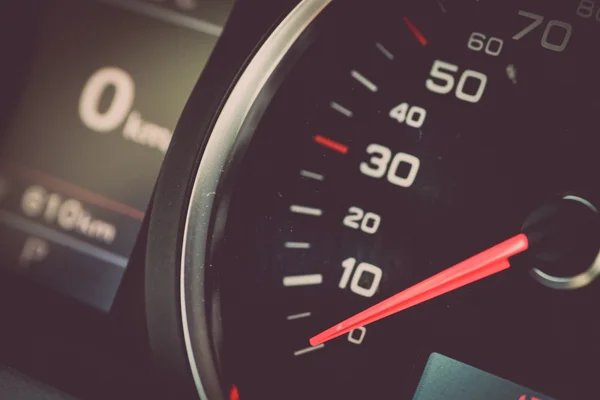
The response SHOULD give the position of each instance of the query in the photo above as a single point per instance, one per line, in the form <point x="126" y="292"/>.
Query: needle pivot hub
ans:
<point x="564" y="242"/>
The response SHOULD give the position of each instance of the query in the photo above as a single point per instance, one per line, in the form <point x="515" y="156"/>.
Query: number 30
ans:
<point x="379" y="163"/>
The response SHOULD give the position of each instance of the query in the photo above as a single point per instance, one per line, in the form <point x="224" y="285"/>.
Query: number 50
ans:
<point x="443" y="71"/>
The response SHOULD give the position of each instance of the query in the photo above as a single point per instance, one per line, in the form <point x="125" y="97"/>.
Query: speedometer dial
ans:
<point x="376" y="144"/>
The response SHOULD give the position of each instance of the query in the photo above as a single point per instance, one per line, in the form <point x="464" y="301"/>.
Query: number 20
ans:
<point x="357" y="218"/>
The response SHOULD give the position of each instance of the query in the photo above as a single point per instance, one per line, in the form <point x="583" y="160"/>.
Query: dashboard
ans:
<point x="83" y="146"/>
<point x="91" y="94"/>
<point x="301" y="199"/>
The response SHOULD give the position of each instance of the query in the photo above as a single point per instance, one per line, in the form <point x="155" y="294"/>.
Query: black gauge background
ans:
<point x="484" y="167"/>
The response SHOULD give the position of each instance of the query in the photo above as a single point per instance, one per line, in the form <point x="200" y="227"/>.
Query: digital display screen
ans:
<point x="106" y="83"/>
<point x="446" y="378"/>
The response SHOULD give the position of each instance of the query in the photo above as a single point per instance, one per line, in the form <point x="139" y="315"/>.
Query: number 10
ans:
<point x="363" y="268"/>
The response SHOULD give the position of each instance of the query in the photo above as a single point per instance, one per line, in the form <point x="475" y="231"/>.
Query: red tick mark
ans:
<point x="415" y="31"/>
<point x="332" y="144"/>
<point x="234" y="394"/>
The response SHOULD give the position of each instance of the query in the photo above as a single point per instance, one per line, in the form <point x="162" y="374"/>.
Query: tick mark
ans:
<point x="341" y="109"/>
<point x="415" y="31"/>
<point x="308" y="349"/>
<point x="442" y="7"/>
<point x="385" y="51"/>
<point x="332" y="144"/>
<point x="364" y="81"/>
<point x="317" y="212"/>
<point x="311" y="175"/>
<point x="297" y="245"/>
<point x="298" y="316"/>
<point x="302" y="280"/>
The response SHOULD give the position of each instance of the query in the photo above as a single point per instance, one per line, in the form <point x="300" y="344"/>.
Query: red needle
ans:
<point x="486" y="263"/>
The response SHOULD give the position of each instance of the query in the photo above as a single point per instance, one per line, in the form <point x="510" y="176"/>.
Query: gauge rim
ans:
<point x="218" y="149"/>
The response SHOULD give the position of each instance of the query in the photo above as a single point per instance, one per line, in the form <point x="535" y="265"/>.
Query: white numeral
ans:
<point x="367" y="222"/>
<point x="478" y="41"/>
<point x="363" y="268"/>
<point x="564" y="27"/>
<point x="442" y="71"/>
<point x="122" y="101"/>
<point x="472" y="98"/>
<point x="407" y="180"/>
<point x="380" y="161"/>
<point x="537" y="21"/>
<point x="566" y="30"/>
<point x="586" y="10"/>
<point x="414" y="116"/>
<point x="357" y="335"/>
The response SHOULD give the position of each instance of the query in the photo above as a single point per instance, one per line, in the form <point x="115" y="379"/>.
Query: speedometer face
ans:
<point x="395" y="140"/>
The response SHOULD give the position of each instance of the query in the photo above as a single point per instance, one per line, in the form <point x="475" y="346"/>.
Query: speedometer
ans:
<point x="397" y="199"/>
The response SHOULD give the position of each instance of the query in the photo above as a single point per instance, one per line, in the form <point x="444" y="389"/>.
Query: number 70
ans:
<point x="565" y="27"/>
